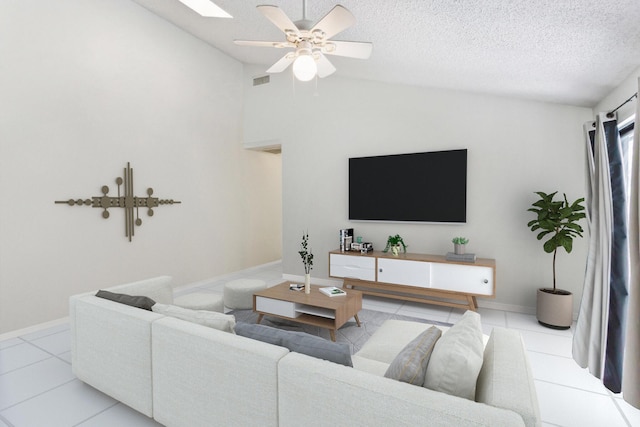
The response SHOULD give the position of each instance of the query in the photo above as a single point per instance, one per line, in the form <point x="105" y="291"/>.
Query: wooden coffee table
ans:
<point x="315" y="309"/>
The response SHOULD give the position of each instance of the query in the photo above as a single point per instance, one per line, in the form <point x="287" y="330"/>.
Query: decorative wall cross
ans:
<point x="127" y="201"/>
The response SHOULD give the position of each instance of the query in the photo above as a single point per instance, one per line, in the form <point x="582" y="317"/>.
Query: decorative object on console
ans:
<point x="346" y="238"/>
<point x="127" y="201"/>
<point x="307" y="260"/>
<point x="559" y="219"/>
<point x="394" y="243"/>
<point x="460" y="258"/>
<point x="332" y="291"/>
<point x="459" y="245"/>
<point x="362" y="247"/>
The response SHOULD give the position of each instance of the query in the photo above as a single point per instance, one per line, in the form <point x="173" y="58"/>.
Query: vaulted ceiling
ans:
<point x="564" y="51"/>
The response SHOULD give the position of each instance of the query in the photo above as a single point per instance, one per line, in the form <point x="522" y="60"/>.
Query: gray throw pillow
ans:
<point x="260" y="333"/>
<point x="135" y="301"/>
<point x="300" y="342"/>
<point x="410" y="365"/>
<point x="336" y="352"/>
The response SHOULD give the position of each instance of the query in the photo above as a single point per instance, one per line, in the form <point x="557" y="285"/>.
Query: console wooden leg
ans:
<point x="332" y="333"/>
<point x="355" y="316"/>
<point x="260" y="318"/>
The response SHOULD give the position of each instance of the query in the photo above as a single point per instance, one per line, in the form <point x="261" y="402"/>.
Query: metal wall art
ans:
<point x="127" y="201"/>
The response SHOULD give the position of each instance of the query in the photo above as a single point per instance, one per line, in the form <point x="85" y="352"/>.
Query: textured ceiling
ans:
<point x="565" y="51"/>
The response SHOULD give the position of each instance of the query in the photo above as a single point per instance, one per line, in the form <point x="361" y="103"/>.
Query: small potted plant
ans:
<point x="559" y="220"/>
<point x="458" y="245"/>
<point x="307" y="261"/>
<point x="394" y="243"/>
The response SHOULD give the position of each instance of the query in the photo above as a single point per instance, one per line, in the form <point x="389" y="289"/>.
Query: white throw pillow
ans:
<point x="211" y="319"/>
<point x="457" y="359"/>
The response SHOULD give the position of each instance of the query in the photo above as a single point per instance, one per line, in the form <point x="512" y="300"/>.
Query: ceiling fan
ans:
<point x="311" y="43"/>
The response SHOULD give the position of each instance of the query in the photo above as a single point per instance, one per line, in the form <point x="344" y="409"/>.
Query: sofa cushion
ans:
<point x="299" y="342"/>
<point x="410" y="365"/>
<point x="457" y="359"/>
<point x="211" y="319"/>
<point x="390" y="338"/>
<point x="135" y="301"/>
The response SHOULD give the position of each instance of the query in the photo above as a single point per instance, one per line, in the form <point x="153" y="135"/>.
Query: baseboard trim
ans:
<point x="31" y="329"/>
<point x="492" y="305"/>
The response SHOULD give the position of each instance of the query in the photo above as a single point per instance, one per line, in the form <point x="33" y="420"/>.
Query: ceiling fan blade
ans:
<point x="360" y="50"/>
<point x="282" y="63"/>
<point x="325" y="67"/>
<point x="263" y="43"/>
<point x="279" y="18"/>
<point x="338" y="19"/>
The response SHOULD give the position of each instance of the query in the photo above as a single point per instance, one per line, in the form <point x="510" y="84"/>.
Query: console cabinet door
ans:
<point x="404" y="272"/>
<point x="352" y="267"/>
<point x="462" y="278"/>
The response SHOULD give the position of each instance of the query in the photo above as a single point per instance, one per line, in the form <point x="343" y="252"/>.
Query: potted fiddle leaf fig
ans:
<point x="557" y="222"/>
<point x="394" y="243"/>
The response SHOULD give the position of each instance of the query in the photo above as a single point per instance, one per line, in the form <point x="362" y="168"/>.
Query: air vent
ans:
<point x="261" y="80"/>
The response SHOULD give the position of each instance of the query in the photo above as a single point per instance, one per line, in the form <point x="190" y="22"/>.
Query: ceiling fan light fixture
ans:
<point x="304" y="67"/>
<point x="206" y="8"/>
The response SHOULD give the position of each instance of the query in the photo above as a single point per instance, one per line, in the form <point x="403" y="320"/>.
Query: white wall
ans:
<point x="86" y="86"/>
<point x="620" y="94"/>
<point x="515" y="148"/>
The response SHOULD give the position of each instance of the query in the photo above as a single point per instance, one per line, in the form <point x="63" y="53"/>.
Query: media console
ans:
<point x="430" y="279"/>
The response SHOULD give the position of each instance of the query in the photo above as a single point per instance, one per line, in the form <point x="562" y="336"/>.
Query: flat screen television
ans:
<point x="417" y="187"/>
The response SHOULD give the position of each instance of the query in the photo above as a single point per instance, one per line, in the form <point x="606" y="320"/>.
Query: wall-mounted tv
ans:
<point x="416" y="187"/>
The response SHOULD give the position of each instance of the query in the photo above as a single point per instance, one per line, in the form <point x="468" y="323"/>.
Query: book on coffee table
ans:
<point x="332" y="291"/>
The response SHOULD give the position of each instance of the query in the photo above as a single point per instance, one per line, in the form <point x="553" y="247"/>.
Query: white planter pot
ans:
<point x="554" y="310"/>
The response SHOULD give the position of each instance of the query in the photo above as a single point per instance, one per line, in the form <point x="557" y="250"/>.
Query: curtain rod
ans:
<point x="610" y="113"/>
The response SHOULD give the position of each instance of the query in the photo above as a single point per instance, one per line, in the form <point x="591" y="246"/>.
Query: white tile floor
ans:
<point x="37" y="387"/>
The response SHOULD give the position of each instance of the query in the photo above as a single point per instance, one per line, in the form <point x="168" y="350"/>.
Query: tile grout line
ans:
<point x="572" y="387"/>
<point x="50" y="353"/>
<point x="619" y="408"/>
<point x="6" y="421"/>
<point x="11" y="346"/>
<point x="47" y="335"/>
<point x="552" y="354"/>
<point x="116" y="403"/>
<point x="39" y="394"/>
<point x="51" y="356"/>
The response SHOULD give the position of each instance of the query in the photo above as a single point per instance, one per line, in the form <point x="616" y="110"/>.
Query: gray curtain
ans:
<point x="606" y="340"/>
<point x="589" y="340"/>
<point x="631" y="369"/>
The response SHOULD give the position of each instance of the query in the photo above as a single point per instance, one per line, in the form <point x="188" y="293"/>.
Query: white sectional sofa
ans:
<point x="185" y="374"/>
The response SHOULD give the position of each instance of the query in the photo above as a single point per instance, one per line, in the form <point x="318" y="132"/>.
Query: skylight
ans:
<point x="206" y="8"/>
